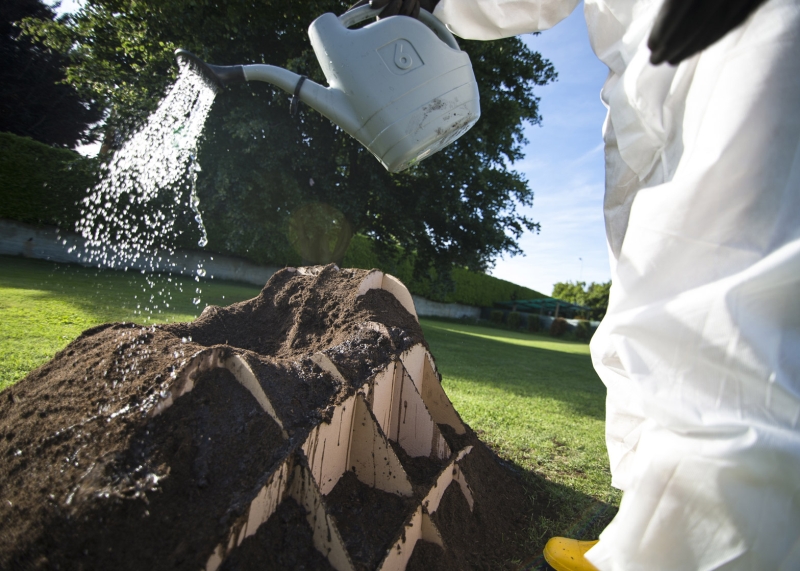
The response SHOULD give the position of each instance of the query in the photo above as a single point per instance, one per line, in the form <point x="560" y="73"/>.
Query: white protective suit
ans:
<point x="700" y="348"/>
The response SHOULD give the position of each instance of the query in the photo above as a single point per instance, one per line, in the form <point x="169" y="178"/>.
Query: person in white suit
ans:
<point x="700" y="347"/>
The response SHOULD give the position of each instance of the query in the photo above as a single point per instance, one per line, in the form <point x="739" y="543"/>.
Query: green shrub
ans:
<point x="583" y="331"/>
<point x="559" y="327"/>
<point x="482" y="290"/>
<point x="534" y="324"/>
<point x="513" y="320"/>
<point x="40" y="184"/>
<point x="496" y="316"/>
<point x="467" y="287"/>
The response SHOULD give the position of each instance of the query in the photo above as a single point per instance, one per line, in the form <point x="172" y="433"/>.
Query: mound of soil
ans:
<point x="151" y="447"/>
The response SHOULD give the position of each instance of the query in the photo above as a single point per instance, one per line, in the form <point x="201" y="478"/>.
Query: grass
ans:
<point x="44" y="306"/>
<point x="536" y="400"/>
<point x="536" y="382"/>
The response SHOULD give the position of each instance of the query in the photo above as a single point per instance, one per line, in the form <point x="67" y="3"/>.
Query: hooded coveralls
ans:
<point x="700" y="348"/>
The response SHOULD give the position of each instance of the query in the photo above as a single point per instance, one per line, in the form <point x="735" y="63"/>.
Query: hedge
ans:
<point x="468" y="288"/>
<point x="40" y="184"/>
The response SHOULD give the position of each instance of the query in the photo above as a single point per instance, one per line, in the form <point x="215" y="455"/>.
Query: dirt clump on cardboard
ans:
<point x="109" y="461"/>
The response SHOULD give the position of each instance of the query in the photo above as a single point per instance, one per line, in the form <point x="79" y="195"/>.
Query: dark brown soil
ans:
<point x="299" y="315"/>
<point x="494" y="532"/>
<point x="284" y="543"/>
<point x="121" y="486"/>
<point x="367" y="518"/>
<point x="91" y="479"/>
<point x="420" y="470"/>
<point x="428" y="556"/>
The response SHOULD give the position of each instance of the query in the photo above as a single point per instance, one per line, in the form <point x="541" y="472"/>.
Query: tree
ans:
<point x="594" y="297"/>
<point x="34" y="100"/>
<point x="597" y="298"/>
<point x="260" y="164"/>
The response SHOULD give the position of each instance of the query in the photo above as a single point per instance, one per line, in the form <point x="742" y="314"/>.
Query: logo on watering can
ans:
<point x="400" y="57"/>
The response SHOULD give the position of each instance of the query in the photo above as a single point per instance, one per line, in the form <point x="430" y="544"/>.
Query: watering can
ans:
<point x="400" y="86"/>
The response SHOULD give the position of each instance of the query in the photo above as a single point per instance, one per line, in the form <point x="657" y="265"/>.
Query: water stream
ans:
<point x="130" y="218"/>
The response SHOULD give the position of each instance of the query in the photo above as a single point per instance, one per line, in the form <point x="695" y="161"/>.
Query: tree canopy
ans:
<point x="34" y="100"/>
<point x="260" y="164"/>
<point x="594" y="296"/>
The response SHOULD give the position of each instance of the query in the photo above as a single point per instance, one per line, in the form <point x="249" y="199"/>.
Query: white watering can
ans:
<point x="401" y="86"/>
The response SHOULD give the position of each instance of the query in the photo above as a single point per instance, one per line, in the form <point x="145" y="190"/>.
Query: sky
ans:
<point x="563" y="164"/>
<point x="64" y="6"/>
<point x="564" y="167"/>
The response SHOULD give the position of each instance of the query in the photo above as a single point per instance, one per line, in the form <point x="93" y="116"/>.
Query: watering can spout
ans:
<point x="330" y="102"/>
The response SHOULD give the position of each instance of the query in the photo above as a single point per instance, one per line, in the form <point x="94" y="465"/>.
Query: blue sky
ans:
<point x="564" y="166"/>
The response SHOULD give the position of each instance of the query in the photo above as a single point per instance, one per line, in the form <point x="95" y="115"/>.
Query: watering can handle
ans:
<point x="356" y="15"/>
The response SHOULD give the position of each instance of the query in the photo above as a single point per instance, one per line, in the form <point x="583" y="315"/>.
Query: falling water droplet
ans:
<point x="130" y="220"/>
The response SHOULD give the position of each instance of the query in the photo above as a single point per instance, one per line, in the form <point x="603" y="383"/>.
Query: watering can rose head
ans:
<point x="217" y="76"/>
<point x="401" y="86"/>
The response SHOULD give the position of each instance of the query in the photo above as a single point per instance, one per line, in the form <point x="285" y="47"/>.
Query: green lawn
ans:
<point x="537" y="401"/>
<point x="44" y="306"/>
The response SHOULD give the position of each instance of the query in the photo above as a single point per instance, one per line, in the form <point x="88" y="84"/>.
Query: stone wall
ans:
<point x="428" y="308"/>
<point x="50" y="243"/>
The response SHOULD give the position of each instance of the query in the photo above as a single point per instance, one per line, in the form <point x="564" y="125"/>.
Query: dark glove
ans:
<point x="401" y="7"/>
<point x="685" y="27"/>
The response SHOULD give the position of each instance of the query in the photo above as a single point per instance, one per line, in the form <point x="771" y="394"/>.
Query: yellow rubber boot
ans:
<point x="564" y="554"/>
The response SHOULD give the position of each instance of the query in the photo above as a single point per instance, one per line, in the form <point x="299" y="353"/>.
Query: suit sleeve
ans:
<point x="494" y="19"/>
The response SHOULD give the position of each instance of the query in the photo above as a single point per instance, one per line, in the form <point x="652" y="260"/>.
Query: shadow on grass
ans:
<point x="560" y="511"/>
<point x="523" y="371"/>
